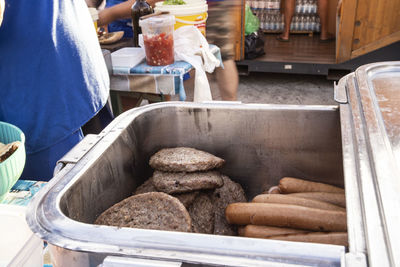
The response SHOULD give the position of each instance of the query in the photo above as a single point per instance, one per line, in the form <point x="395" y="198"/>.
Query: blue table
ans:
<point x="22" y="192"/>
<point x="179" y="70"/>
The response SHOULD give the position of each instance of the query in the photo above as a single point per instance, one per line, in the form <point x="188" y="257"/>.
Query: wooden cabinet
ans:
<point x="366" y="25"/>
<point x="239" y="17"/>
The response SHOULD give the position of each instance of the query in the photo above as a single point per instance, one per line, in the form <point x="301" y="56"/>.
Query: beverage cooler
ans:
<point x="365" y="32"/>
<point x="271" y="18"/>
<point x="353" y="145"/>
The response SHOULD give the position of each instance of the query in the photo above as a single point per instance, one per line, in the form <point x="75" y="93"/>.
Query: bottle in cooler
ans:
<point x="297" y="7"/>
<point x="273" y="23"/>
<point x="310" y="6"/>
<point x="277" y="5"/>
<point x="301" y="23"/>
<point x="301" y="7"/>
<point x="292" y="24"/>
<point x="305" y="6"/>
<point x="317" y="24"/>
<point x="268" y="25"/>
<point x="267" y="5"/>
<point x="297" y="23"/>
<point x="314" y="7"/>
<point x="262" y="5"/>
<point x="262" y="21"/>
<point x="313" y="23"/>
<point x="268" y="21"/>
<point x="253" y="5"/>
<point x="281" y="22"/>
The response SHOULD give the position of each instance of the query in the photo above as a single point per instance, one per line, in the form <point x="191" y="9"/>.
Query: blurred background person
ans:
<point x="288" y="10"/>
<point x="53" y="78"/>
<point x="220" y="32"/>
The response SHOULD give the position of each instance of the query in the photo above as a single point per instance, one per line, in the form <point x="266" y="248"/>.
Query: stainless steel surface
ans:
<point x="260" y="143"/>
<point x="360" y="191"/>
<point x="77" y="152"/>
<point x="356" y="260"/>
<point x="371" y="159"/>
<point x="379" y="93"/>
<point x="339" y="92"/>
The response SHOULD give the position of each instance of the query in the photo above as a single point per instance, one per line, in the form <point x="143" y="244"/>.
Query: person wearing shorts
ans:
<point x="220" y="32"/>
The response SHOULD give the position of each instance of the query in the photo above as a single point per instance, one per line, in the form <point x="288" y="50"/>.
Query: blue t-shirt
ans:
<point x="53" y="77"/>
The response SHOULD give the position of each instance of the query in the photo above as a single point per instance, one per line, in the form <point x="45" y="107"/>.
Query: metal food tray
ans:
<point x="260" y="143"/>
<point x="353" y="144"/>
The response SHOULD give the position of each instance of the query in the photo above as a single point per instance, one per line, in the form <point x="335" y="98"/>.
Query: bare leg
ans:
<point x="288" y="10"/>
<point x="228" y="80"/>
<point x="323" y="16"/>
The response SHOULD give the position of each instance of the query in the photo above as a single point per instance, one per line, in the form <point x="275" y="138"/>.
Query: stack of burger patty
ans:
<point x="188" y="178"/>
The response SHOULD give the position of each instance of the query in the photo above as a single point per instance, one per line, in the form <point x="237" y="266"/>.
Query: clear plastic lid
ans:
<point x="157" y="21"/>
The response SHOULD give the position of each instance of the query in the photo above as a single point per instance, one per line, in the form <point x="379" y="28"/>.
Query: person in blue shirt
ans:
<point x="53" y="78"/>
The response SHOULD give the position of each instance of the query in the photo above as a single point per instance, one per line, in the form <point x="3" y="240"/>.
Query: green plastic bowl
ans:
<point x="11" y="169"/>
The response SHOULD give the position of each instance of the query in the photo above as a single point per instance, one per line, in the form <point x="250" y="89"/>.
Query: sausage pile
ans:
<point x="296" y="210"/>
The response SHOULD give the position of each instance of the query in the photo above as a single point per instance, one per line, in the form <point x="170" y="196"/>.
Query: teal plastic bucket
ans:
<point x="11" y="169"/>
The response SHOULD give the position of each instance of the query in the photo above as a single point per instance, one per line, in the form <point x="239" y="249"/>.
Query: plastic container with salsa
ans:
<point x="158" y="39"/>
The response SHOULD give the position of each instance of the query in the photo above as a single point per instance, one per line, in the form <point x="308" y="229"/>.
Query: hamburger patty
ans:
<point x="181" y="182"/>
<point x="154" y="210"/>
<point x="184" y="159"/>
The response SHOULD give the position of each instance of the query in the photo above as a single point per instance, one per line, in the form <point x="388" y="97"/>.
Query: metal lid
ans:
<point x="373" y="94"/>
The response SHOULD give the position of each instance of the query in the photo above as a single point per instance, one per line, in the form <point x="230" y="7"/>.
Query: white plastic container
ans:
<point x="18" y="245"/>
<point x="127" y="57"/>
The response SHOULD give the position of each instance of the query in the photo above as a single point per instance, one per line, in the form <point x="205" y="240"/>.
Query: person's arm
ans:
<point x="120" y="11"/>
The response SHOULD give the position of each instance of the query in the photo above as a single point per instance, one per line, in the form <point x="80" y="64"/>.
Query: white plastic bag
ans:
<point x="191" y="46"/>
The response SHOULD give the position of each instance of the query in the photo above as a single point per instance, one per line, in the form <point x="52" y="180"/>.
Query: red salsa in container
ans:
<point x="159" y="49"/>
